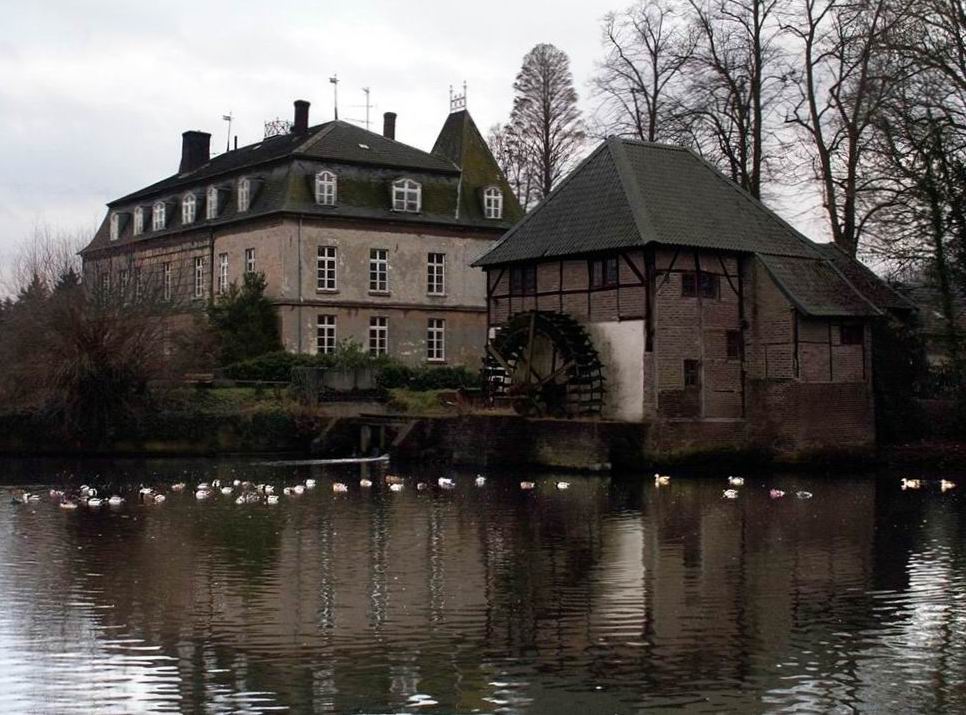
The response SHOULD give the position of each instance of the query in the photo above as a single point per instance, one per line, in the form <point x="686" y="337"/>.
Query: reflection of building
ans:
<point x="357" y="234"/>
<point x="715" y="320"/>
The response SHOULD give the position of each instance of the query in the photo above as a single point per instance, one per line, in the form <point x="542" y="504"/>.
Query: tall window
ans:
<point x="326" y="268"/>
<point x="325" y="188"/>
<point x="406" y="196"/>
<point x="249" y="260"/>
<point x="188" y="205"/>
<point x="493" y="203"/>
<point x="115" y="226"/>
<point x="378" y="335"/>
<point x="325" y="335"/>
<point x="157" y="216"/>
<point x="244" y="194"/>
<point x="692" y="373"/>
<point x="733" y="344"/>
<point x="436" y="339"/>
<point x="378" y="270"/>
<point x="138" y="221"/>
<point x="523" y="280"/>
<point x="436" y="274"/>
<point x="603" y="273"/>
<point x="166" y="280"/>
<point x="211" y="203"/>
<point x="199" y="277"/>
<point x="222" y="272"/>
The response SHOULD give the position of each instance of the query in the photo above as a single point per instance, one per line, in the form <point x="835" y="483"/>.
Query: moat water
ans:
<point x="612" y="596"/>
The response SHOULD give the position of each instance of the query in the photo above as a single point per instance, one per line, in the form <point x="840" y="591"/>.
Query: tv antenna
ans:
<point x="334" y="79"/>
<point x="227" y="118"/>
<point x="365" y="91"/>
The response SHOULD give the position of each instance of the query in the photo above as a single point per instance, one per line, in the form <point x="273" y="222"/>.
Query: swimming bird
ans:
<point x="527" y="486"/>
<point x="395" y="487"/>
<point x="393" y="479"/>
<point x="310" y="484"/>
<point x="661" y="480"/>
<point x="56" y="494"/>
<point x="736" y="481"/>
<point x="776" y="493"/>
<point x="202" y="494"/>
<point x="945" y="485"/>
<point x="236" y="483"/>
<point x="911" y="483"/>
<point x="298" y="489"/>
<point x="480" y="480"/>
<point x="226" y="491"/>
<point x="94" y="502"/>
<point x="420" y="486"/>
<point x="178" y="487"/>
<point x="288" y="491"/>
<point x="69" y="505"/>
<point x="340" y="488"/>
<point x="159" y="498"/>
<point x="268" y="489"/>
<point x="271" y="499"/>
<point x="216" y="484"/>
<point x="115" y="500"/>
<point x="446" y="483"/>
<point x="730" y="494"/>
<point x="563" y="485"/>
<point x="365" y="483"/>
<point x="803" y="495"/>
<point x="203" y="487"/>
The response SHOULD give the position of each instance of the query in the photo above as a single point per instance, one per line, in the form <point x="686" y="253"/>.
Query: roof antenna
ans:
<point x="334" y="79"/>
<point x="365" y="91"/>
<point x="227" y="118"/>
<point x="457" y="101"/>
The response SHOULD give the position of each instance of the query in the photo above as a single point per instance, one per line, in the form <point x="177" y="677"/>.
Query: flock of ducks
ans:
<point x="944" y="484"/>
<point x="662" y="480"/>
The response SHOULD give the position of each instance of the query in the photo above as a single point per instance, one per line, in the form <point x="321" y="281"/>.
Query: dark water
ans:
<point x="613" y="596"/>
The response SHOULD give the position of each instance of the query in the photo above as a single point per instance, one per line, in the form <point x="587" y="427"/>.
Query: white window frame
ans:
<point x="158" y="217"/>
<point x="378" y="335"/>
<point x="115" y="226"/>
<point x="435" y="274"/>
<point x="199" y="277"/>
<point x="325" y="334"/>
<point x="493" y="203"/>
<point x="222" y="272"/>
<point x="211" y="203"/>
<point x="249" y="260"/>
<point x="189" y="208"/>
<point x="166" y="280"/>
<point x="244" y="193"/>
<point x="379" y="270"/>
<point x="138" y="284"/>
<point x="407" y="196"/>
<point x="436" y="340"/>
<point x="138" y="221"/>
<point x="327" y="269"/>
<point x="326" y="188"/>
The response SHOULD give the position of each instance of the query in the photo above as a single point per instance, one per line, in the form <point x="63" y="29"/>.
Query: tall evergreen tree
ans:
<point x="245" y="321"/>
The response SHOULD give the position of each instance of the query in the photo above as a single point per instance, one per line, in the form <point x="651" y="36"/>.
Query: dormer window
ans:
<point x="157" y="216"/>
<point x="138" y="221"/>
<point x="115" y="226"/>
<point x="493" y="203"/>
<point x="406" y="196"/>
<point x="211" y="204"/>
<point x="244" y="193"/>
<point x="188" y="206"/>
<point x="325" y="188"/>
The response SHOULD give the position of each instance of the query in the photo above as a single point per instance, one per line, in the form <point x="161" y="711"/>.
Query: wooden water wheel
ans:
<point x="546" y="364"/>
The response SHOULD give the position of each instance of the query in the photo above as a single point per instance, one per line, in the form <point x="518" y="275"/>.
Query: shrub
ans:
<point x="275" y="366"/>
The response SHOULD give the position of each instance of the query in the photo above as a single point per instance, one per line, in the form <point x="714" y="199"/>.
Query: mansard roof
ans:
<point x="631" y="194"/>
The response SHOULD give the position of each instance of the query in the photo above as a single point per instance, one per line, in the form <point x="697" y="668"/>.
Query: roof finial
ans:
<point x="457" y="101"/>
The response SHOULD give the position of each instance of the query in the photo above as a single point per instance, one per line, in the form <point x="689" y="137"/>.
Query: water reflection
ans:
<point x="611" y="596"/>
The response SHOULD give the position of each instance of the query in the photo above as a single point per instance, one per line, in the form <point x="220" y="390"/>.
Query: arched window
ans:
<point x="138" y="221"/>
<point x="325" y="188"/>
<point x="244" y="193"/>
<point x="406" y="195"/>
<point x="211" y="204"/>
<point x="157" y="216"/>
<point x="188" y="206"/>
<point x="493" y="203"/>
<point x="115" y="226"/>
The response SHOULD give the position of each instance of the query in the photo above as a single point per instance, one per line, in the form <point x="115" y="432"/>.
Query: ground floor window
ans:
<point x="325" y="335"/>
<point x="249" y="260"/>
<point x="378" y="335"/>
<point x="436" y="339"/>
<point x="692" y="373"/>
<point x="734" y="344"/>
<point x="199" y="277"/>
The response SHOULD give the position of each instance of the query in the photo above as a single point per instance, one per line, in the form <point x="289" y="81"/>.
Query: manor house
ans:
<point x="359" y="236"/>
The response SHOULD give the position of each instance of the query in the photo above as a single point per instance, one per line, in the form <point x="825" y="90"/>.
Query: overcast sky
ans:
<point x="94" y="95"/>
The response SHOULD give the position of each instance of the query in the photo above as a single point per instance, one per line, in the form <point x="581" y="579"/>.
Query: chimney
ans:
<point x="195" y="150"/>
<point x="301" y="124"/>
<point x="389" y="125"/>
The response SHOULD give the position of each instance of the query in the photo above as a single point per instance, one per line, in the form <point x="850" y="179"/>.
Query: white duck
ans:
<point x="527" y="486"/>
<point x="365" y="483"/>
<point x="68" y="505"/>
<point x="730" y="494"/>
<point x="159" y="498"/>
<point x="115" y="500"/>
<point x="480" y="480"/>
<point x="178" y="487"/>
<point x="803" y="495"/>
<point x="227" y="491"/>
<point x="736" y="481"/>
<point x="945" y="485"/>
<point x="340" y="488"/>
<point x="395" y="487"/>
<point x="911" y="483"/>
<point x="271" y="499"/>
<point x="310" y="483"/>
<point x="661" y="480"/>
<point x="562" y="485"/>
<point x="446" y="483"/>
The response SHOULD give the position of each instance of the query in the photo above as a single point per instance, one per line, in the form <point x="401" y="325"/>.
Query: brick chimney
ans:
<point x="389" y="125"/>
<point x="301" y="124"/>
<point x="195" y="150"/>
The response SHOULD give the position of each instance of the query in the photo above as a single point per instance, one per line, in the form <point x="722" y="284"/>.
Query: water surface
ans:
<point x="612" y="596"/>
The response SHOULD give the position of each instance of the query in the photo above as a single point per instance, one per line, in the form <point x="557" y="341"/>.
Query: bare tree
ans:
<point x="513" y="157"/>
<point x="46" y="256"/>
<point x="545" y="116"/>
<point x="735" y="83"/>
<point x="639" y="80"/>
<point x="846" y="75"/>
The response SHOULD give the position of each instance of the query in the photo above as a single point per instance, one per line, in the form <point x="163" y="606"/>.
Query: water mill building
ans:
<point x="359" y="236"/>
<point x="648" y="287"/>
